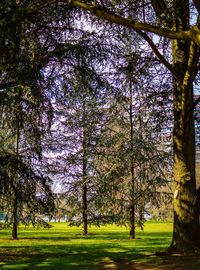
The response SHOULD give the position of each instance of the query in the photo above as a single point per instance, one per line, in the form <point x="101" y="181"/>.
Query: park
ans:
<point x="100" y="134"/>
<point x="107" y="247"/>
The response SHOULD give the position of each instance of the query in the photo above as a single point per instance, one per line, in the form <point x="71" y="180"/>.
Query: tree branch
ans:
<point x="158" y="54"/>
<point x="105" y="14"/>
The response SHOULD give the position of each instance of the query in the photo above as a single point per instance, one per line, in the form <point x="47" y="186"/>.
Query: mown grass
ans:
<point x="63" y="247"/>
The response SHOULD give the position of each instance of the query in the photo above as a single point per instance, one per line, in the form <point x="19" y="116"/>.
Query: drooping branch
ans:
<point x="105" y="14"/>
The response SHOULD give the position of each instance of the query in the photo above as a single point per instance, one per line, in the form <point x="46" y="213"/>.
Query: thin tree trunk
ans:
<point x="15" y="218"/>
<point x="132" y="204"/>
<point x="84" y="210"/>
<point x="132" y="176"/>
<point x="15" y="187"/>
<point x="58" y="215"/>
<point x="84" y="168"/>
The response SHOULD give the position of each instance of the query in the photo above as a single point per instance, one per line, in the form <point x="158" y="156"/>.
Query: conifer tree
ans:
<point x="25" y="111"/>
<point x="77" y="125"/>
<point x="129" y="164"/>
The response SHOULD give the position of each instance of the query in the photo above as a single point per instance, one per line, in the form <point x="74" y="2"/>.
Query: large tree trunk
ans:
<point x="185" y="233"/>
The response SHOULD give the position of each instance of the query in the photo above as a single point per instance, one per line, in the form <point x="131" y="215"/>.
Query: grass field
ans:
<point x="63" y="247"/>
<point x="108" y="247"/>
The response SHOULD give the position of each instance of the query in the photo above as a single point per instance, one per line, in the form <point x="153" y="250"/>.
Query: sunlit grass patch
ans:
<point x="64" y="247"/>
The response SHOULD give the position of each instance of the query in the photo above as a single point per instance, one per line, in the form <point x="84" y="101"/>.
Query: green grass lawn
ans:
<point x="63" y="247"/>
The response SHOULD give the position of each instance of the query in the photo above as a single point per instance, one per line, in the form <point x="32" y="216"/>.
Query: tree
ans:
<point x="132" y="163"/>
<point x="78" y="114"/>
<point x="79" y="51"/>
<point x="25" y="111"/>
<point x="25" y="190"/>
<point x="172" y="22"/>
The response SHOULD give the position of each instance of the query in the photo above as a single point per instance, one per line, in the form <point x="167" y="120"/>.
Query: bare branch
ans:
<point x="158" y="54"/>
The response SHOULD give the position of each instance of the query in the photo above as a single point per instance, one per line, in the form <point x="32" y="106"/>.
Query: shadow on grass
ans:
<point x="64" y="248"/>
<point x="77" y="259"/>
<point x="45" y="250"/>
<point x="106" y="260"/>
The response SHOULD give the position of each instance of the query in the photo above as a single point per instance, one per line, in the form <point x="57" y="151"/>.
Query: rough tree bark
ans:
<point x="185" y="233"/>
<point x="185" y="56"/>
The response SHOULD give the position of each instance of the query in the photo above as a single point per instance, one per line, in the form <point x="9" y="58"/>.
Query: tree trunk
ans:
<point x="132" y="176"/>
<point x="185" y="57"/>
<point x="132" y="205"/>
<point x="15" y="179"/>
<point x="84" y="210"/>
<point x="84" y="171"/>
<point x="58" y="215"/>
<point x="15" y="218"/>
<point x="185" y="234"/>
